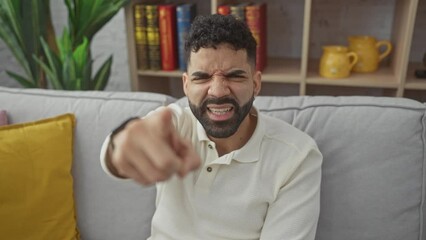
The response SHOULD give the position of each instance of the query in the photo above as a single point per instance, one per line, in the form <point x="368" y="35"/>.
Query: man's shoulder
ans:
<point x="183" y="119"/>
<point x="284" y="148"/>
<point x="282" y="132"/>
<point x="180" y="111"/>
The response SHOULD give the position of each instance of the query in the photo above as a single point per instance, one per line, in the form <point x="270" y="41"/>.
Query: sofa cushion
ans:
<point x="373" y="181"/>
<point x="106" y="208"/>
<point x="36" y="185"/>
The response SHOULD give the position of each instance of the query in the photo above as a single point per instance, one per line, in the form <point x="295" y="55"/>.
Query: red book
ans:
<point x="168" y="41"/>
<point x="256" y="21"/>
<point x="224" y="9"/>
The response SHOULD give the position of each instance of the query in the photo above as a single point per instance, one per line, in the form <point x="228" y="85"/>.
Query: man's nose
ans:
<point x="219" y="87"/>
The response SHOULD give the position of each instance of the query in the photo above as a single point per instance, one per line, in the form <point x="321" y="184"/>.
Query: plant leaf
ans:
<point x="80" y="56"/>
<point x="53" y="79"/>
<point x="12" y="11"/>
<point x="22" y="80"/>
<point x="22" y="23"/>
<point x="102" y="76"/>
<point x="72" y="24"/>
<point x="64" y="44"/>
<point x="87" y="76"/>
<point x="50" y="30"/>
<point x="52" y="59"/>
<point x="33" y="27"/>
<point x="71" y="82"/>
<point x="10" y="39"/>
<point x="101" y="13"/>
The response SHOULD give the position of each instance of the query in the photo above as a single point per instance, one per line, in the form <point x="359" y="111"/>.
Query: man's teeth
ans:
<point x="220" y="110"/>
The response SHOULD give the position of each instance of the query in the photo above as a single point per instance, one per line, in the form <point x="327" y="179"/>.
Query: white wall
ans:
<point x="109" y="40"/>
<point x="330" y="21"/>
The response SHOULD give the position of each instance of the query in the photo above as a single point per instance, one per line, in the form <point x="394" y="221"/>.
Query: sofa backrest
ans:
<point x="374" y="168"/>
<point x="373" y="184"/>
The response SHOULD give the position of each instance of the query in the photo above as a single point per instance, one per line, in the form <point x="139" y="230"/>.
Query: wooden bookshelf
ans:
<point x="298" y="29"/>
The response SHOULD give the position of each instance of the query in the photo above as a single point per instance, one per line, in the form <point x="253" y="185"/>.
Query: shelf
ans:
<point x="383" y="78"/>
<point x="412" y="82"/>
<point x="151" y="73"/>
<point x="281" y="70"/>
<point x="416" y="85"/>
<point x="355" y="81"/>
<point x="278" y="71"/>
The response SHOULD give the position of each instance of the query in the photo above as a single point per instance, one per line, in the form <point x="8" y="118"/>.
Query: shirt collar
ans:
<point x="250" y="152"/>
<point x="202" y="135"/>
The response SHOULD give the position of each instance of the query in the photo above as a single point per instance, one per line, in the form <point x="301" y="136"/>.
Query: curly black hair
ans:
<point x="212" y="30"/>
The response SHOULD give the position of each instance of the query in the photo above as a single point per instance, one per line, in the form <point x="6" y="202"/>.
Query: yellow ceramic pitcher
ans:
<point x="368" y="50"/>
<point x="337" y="62"/>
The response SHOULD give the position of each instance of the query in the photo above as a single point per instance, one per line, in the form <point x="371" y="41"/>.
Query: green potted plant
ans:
<point x="66" y="62"/>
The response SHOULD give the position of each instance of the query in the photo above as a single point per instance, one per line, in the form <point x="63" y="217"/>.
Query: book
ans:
<point x="238" y="10"/>
<point x="168" y="42"/>
<point x="224" y="9"/>
<point x="140" y="36"/>
<point x="256" y="21"/>
<point x="153" y="37"/>
<point x="185" y="14"/>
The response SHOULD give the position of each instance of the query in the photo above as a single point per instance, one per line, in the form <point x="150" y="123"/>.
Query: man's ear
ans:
<point x="185" y="79"/>
<point x="257" y="83"/>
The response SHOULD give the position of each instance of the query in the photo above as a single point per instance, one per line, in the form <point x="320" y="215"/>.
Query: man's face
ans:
<point x="220" y="85"/>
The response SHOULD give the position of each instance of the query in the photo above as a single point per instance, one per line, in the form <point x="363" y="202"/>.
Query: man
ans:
<point x="223" y="170"/>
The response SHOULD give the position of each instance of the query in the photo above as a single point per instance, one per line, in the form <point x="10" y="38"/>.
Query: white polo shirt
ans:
<point x="268" y="189"/>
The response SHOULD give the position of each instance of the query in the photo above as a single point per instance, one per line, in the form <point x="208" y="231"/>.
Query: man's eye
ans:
<point x="236" y="77"/>
<point x="200" y="79"/>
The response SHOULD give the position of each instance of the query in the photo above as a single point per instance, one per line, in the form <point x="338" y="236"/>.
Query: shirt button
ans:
<point x="209" y="169"/>
<point x="210" y="146"/>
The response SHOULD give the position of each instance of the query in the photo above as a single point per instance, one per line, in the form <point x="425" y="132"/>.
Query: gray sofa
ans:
<point x="374" y="169"/>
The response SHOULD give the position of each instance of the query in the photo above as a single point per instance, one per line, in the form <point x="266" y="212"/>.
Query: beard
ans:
<point x="221" y="129"/>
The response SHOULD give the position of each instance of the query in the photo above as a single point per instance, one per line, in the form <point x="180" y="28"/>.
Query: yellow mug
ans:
<point x="337" y="62"/>
<point x="368" y="50"/>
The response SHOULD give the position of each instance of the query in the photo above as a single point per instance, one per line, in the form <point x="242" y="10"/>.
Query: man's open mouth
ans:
<point x="220" y="113"/>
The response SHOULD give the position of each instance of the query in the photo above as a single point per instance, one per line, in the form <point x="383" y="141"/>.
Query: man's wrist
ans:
<point x="119" y="129"/>
<point x="110" y="148"/>
<point x="108" y="163"/>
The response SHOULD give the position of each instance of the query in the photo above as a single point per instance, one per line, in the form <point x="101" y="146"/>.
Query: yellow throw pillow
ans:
<point x="36" y="185"/>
